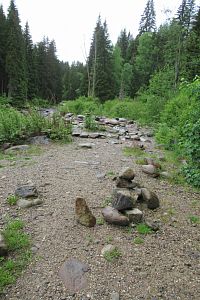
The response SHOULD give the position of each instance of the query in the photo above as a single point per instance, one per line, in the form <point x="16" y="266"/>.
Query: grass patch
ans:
<point x="194" y="219"/>
<point x="109" y="239"/>
<point x="133" y="151"/>
<point x="18" y="244"/>
<point x="12" y="200"/>
<point x="112" y="255"/>
<point x="107" y="201"/>
<point x="138" y="240"/>
<point x="100" y="221"/>
<point x="143" y="229"/>
<point x="110" y="173"/>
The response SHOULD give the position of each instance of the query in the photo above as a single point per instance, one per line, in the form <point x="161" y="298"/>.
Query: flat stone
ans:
<point x="3" y="247"/>
<point x="113" y="216"/>
<point x="135" y="215"/>
<point x="17" y="148"/>
<point x="94" y="135"/>
<point x="123" y="183"/>
<point x="84" y="135"/>
<point x="23" y="203"/>
<point x="26" y="191"/>
<point x="86" y="145"/>
<point x="122" y="199"/>
<point x="83" y="214"/>
<point x="127" y="173"/>
<point x="72" y="273"/>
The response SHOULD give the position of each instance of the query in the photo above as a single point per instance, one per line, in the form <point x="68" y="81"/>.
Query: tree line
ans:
<point x="168" y="54"/>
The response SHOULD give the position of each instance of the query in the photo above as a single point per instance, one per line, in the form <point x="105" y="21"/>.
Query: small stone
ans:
<point x="26" y="191"/>
<point x="151" y="161"/>
<point x="135" y="215"/>
<point x="154" y="225"/>
<point x="107" y="248"/>
<point x="86" y="145"/>
<point x="127" y="184"/>
<point x="150" y="198"/>
<point x="115" y="296"/>
<point x="23" y="203"/>
<point x="150" y="170"/>
<point x="165" y="174"/>
<point x="3" y="247"/>
<point x="83" y="213"/>
<point x="84" y="135"/>
<point x="37" y="201"/>
<point x="127" y="174"/>
<point x="113" y="216"/>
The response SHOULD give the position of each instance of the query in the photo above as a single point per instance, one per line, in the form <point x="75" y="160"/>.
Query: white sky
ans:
<point x="71" y="22"/>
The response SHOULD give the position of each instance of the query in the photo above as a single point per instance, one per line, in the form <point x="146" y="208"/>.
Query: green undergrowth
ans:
<point x="112" y="255"/>
<point x="18" y="244"/>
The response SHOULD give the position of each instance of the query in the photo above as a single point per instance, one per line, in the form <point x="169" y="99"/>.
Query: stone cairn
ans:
<point x="128" y="201"/>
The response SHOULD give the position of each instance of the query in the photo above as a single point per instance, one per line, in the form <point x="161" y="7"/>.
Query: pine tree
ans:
<point x="3" y="41"/>
<point x="100" y="63"/>
<point x="196" y="23"/>
<point x="15" y="58"/>
<point x="185" y="14"/>
<point x="148" y="19"/>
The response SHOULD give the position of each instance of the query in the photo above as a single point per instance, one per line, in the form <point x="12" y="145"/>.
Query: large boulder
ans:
<point x="83" y="214"/>
<point x="113" y="216"/>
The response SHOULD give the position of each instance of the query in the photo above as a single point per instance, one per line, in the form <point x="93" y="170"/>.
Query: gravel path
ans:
<point x="165" y="266"/>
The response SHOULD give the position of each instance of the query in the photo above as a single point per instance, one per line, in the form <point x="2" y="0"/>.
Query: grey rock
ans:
<point x="26" y="191"/>
<point x="72" y="273"/>
<point x="135" y="215"/>
<point x="127" y="174"/>
<point x="84" y="135"/>
<point x="94" y="135"/>
<point x="165" y="174"/>
<point x="154" y="225"/>
<point x="122" y="199"/>
<point x="83" y="214"/>
<point x="86" y="145"/>
<point x="112" y="216"/>
<point x="107" y="248"/>
<point x="3" y="247"/>
<point x="39" y="140"/>
<point x="17" y="148"/>
<point x="150" y="198"/>
<point x="150" y="170"/>
<point x="25" y="203"/>
<point x="115" y="296"/>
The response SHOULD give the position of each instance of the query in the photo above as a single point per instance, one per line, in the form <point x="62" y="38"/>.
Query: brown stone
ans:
<point x="150" y="198"/>
<point x="150" y="170"/>
<point x="123" y="183"/>
<point x="112" y="216"/>
<point x="83" y="213"/>
<point x="127" y="174"/>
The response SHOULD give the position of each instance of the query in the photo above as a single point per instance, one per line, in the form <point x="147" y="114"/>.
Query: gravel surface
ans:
<point x="165" y="266"/>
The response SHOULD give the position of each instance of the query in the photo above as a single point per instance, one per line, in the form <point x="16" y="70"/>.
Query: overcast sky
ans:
<point x="71" y="22"/>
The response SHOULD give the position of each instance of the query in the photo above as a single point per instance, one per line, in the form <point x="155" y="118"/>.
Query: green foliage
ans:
<point x="15" y="238"/>
<point x="12" y="200"/>
<point x="90" y="123"/>
<point x="180" y="127"/>
<point x="59" y="131"/>
<point x="143" y="229"/>
<point x="112" y="255"/>
<point x="18" y="242"/>
<point x="133" y="151"/>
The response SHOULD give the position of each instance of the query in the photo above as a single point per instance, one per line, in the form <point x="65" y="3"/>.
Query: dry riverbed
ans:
<point x="165" y="265"/>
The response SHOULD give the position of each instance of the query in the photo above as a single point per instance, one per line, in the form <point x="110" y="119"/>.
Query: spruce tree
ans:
<point x="30" y="64"/>
<point x="3" y="41"/>
<point x="123" y="44"/>
<point x="15" y="58"/>
<point x="100" y="63"/>
<point x="148" y="18"/>
<point x="185" y="14"/>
